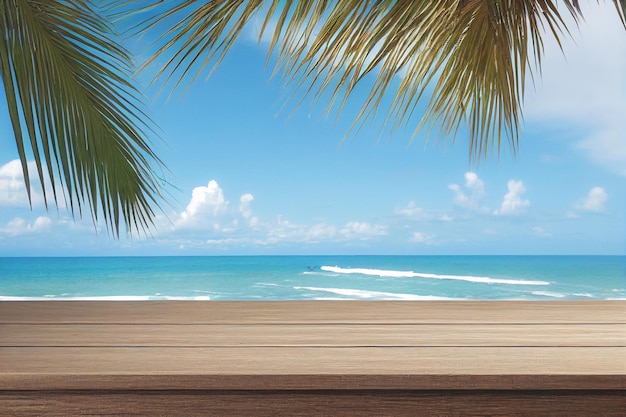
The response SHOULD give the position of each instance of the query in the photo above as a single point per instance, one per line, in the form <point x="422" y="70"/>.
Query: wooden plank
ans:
<point x="310" y="360"/>
<point x="317" y="403"/>
<point x="339" y="382"/>
<point x="380" y="312"/>
<point x="312" y="335"/>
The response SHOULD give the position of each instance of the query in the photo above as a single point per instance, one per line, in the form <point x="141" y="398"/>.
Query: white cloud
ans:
<point x="209" y="199"/>
<point x="244" y="208"/>
<point x="476" y="192"/>
<point x="18" y="226"/>
<point x="12" y="185"/>
<point x="422" y="238"/>
<point x="209" y="210"/>
<point x="594" y="201"/>
<point x="584" y="87"/>
<point x="209" y="220"/>
<point x="362" y="230"/>
<point x="284" y="230"/>
<point x="320" y="232"/>
<point x="513" y="202"/>
<point x="254" y="222"/>
<point x="410" y="211"/>
<point x="206" y="204"/>
<point x="244" y="205"/>
<point x="607" y="147"/>
<point x="41" y="223"/>
<point x="413" y="212"/>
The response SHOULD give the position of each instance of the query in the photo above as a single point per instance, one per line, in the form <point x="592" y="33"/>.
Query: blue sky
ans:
<point x="253" y="177"/>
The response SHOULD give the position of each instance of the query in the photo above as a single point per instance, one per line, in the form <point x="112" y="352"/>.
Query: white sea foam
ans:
<point x="65" y="298"/>
<point x="363" y="294"/>
<point x="196" y="298"/>
<point x="411" y="274"/>
<point x="11" y="298"/>
<point x="584" y="294"/>
<point x="549" y="294"/>
<point x="329" y="298"/>
<point x="105" y="298"/>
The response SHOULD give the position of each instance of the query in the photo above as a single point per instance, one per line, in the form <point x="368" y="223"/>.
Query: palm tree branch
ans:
<point x="466" y="60"/>
<point x="67" y="85"/>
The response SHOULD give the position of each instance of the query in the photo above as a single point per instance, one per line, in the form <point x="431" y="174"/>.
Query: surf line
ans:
<point x="411" y="274"/>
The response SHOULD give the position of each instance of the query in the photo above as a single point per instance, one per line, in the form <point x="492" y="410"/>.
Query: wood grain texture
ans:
<point x="311" y="360"/>
<point x="38" y="382"/>
<point x="319" y="335"/>
<point x="339" y="358"/>
<point x="311" y="312"/>
<point x="315" y="403"/>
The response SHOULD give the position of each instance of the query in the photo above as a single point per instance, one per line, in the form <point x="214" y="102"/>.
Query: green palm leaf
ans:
<point x="71" y="103"/>
<point x="466" y="58"/>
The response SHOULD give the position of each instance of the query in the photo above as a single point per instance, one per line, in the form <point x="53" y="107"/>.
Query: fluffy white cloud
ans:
<point x="244" y="205"/>
<point x="42" y="222"/>
<point x="209" y="220"/>
<point x="513" y="202"/>
<point x="320" y="232"/>
<point x="16" y="225"/>
<point x="476" y="192"/>
<point x="19" y="226"/>
<point x="594" y="201"/>
<point x="362" y="230"/>
<point x="209" y="210"/>
<point x="206" y="200"/>
<point x="245" y="210"/>
<point x="206" y="204"/>
<point x="13" y="187"/>
<point x="584" y="86"/>
<point x="283" y="230"/>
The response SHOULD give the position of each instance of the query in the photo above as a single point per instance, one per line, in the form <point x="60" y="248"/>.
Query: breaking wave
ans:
<point x="410" y="274"/>
<point x="374" y="295"/>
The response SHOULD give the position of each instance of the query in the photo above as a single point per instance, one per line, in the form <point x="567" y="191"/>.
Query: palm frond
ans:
<point x="71" y="103"/>
<point x="466" y="59"/>
<point x="620" y="5"/>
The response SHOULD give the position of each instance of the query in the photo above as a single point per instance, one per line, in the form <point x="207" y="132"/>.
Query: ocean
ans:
<point x="314" y="278"/>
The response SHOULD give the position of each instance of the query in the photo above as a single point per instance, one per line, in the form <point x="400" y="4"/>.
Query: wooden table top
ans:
<point x="313" y="345"/>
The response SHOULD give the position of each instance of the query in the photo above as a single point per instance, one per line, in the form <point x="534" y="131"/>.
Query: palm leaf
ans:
<point x="466" y="59"/>
<point x="71" y="103"/>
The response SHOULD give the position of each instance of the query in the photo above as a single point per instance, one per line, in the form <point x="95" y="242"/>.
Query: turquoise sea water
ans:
<point x="315" y="277"/>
